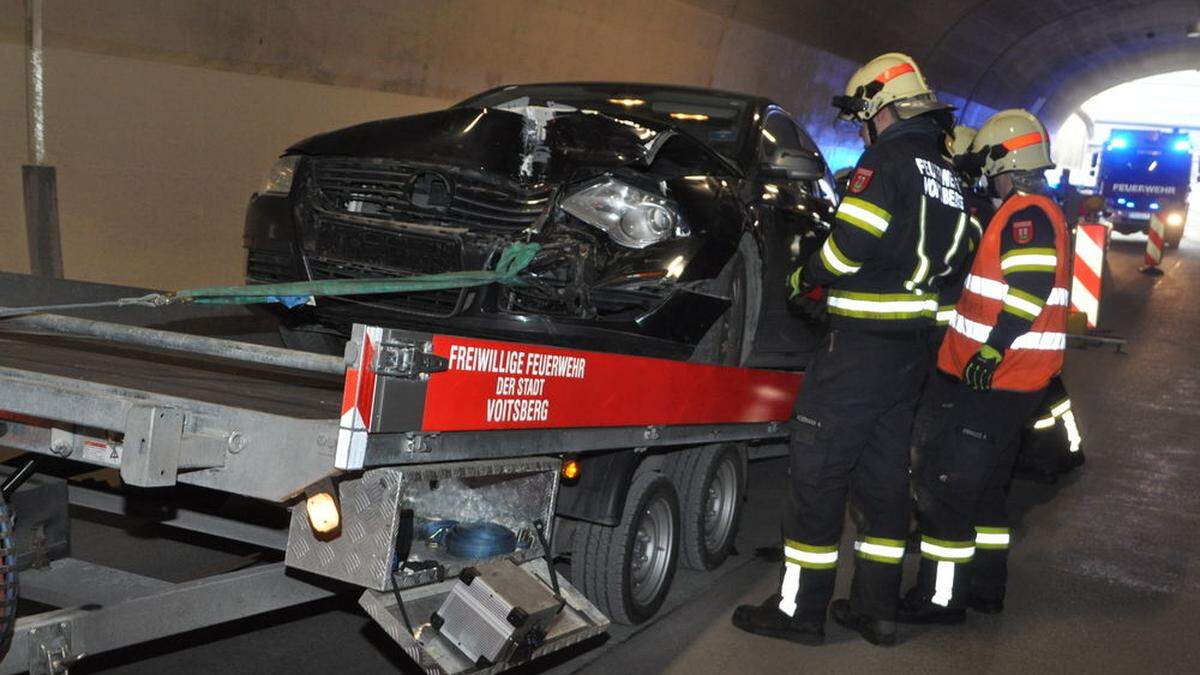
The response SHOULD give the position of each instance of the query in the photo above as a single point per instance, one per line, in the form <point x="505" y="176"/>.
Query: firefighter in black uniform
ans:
<point x="1004" y="344"/>
<point x="900" y="230"/>
<point x="979" y="211"/>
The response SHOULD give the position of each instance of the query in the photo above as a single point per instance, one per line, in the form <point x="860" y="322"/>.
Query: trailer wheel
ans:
<point x="626" y="571"/>
<point x="710" y="481"/>
<point x="8" y="580"/>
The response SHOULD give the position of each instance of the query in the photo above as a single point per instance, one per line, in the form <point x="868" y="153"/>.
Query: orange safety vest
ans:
<point x="1034" y="357"/>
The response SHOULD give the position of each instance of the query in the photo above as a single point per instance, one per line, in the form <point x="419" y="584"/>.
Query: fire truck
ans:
<point x="1146" y="173"/>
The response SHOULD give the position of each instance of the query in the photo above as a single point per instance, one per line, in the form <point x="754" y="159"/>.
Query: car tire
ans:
<point x="725" y="340"/>
<point x="711" y="483"/>
<point x="312" y="339"/>
<point x="626" y="571"/>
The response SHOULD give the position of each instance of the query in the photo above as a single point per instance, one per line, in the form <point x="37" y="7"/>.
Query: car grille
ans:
<point x="394" y="190"/>
<point x="269" y="266"/>
<point x="352" y="251"/>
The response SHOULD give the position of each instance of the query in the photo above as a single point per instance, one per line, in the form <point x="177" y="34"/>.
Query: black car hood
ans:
<point x="531" y="144"/>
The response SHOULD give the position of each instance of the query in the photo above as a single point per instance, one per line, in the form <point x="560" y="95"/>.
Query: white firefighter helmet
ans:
<point x="1013" y="140"/>
<point x="960" y="143"/>
<point x="893" y="79"/>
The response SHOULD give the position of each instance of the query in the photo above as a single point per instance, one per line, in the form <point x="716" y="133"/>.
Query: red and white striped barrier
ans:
<point x="1087" y="270"/>
<point x="1155" y="242"/>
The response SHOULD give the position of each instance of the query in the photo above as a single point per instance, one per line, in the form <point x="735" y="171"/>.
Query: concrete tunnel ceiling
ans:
<point x="1051" y="55"/>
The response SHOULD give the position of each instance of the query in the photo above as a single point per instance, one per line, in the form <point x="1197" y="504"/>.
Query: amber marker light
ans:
<point x="570" y="468"/>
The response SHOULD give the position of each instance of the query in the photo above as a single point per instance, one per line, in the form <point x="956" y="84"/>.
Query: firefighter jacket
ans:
<point x="1015" y="297"/>
<point x="979" y="212"/>
<point x="900" y="231"/>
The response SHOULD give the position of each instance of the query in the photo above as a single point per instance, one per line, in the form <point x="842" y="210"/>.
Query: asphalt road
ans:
<point x="1104" y="567"/>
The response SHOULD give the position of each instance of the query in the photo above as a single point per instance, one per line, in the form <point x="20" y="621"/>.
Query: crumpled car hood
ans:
<point x="527" y="144"/>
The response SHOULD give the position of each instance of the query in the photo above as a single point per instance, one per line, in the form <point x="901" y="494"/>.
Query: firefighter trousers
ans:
<point x="1050" y="434"/>
<point x="850" y="437"/>
<point x="962" y="494"/>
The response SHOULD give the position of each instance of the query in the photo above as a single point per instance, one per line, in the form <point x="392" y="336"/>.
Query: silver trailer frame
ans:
<point x="157" y="439"/>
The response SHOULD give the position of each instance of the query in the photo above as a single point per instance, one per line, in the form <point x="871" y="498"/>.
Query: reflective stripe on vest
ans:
<point x="1036" y="356"/>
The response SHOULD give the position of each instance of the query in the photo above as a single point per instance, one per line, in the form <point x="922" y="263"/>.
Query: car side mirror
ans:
<point x="794" y="166"/>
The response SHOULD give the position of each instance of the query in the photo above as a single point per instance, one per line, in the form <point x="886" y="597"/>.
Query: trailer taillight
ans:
<point x="323" y="512"/>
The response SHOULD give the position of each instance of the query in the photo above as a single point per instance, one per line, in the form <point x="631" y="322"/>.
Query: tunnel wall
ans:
<point x="163" y="117"/>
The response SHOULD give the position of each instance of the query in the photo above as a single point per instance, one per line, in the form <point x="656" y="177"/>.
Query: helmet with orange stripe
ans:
<point x="1012" y="140"/>
<point x="891" y="79"/>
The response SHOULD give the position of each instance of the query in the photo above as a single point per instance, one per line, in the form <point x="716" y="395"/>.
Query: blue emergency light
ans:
<point x="1182" y="145"/>
<point x="1120" y="201"/>
<point x="1118" y="143"/>
<point x="1129" y="203"/>
<point x="1153" y="206"/>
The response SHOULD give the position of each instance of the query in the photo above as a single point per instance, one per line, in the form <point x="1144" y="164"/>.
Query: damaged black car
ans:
<point x="668" y="219"/>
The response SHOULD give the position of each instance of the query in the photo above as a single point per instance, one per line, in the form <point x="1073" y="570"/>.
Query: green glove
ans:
<point x="979" y="370"/>
<point x="796" y="283"/>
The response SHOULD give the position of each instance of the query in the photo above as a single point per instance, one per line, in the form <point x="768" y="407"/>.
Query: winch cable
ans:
<point x="513" y="260"/>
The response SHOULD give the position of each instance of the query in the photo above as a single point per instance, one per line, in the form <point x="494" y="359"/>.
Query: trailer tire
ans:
<point x="711" y="482"/>
<point x="626" y="571"/>
<point x="8" y="580"/>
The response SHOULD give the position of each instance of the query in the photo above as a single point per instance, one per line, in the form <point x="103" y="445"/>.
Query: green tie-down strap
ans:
<point x="512" y="261"/>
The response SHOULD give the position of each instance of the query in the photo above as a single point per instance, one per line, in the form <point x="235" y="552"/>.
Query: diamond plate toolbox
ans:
<point x="513" y="493"/>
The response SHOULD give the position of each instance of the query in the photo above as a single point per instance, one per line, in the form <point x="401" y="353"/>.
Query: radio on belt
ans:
<point x="494" y="609"/>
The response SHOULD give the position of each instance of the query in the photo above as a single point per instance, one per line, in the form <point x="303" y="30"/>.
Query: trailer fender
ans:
<point x="599" y="494"/>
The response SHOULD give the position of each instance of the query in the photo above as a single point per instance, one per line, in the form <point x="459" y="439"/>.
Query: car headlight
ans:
<point x="631" y="216"/>
<point x="1174" y="219"/>
<point x="279" y="181"/>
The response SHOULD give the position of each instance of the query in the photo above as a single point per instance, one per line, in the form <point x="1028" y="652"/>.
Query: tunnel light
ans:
<point x="1153" y="206"/>
<point x="690" y="117"/>
<point x="627" y="102"/>
<point x="1194" y="29"/>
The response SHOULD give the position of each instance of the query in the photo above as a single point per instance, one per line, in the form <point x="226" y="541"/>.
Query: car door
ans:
<point x="797" y="215"/>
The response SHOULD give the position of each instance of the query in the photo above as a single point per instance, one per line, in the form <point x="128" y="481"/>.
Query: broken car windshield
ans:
<point x="714" y="120"/>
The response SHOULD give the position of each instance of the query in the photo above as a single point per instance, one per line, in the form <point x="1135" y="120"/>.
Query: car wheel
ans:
<point x="312" y="339"/>
<point x="711" y="484"/>
<point x="723" y="343"/>
<point x="626" y="571"/>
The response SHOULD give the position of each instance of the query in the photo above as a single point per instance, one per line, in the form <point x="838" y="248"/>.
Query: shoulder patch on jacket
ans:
<point x="1022" y="231"/>
<point x="861" y="179"/>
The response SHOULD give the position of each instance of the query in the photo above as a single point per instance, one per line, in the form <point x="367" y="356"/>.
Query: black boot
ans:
<point x="985" y="605"/>
<point x="1071" y="461"/>
<point x="766" y="619"/>
<point x="917" y="609"/>
<point x="876" y="631"/>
